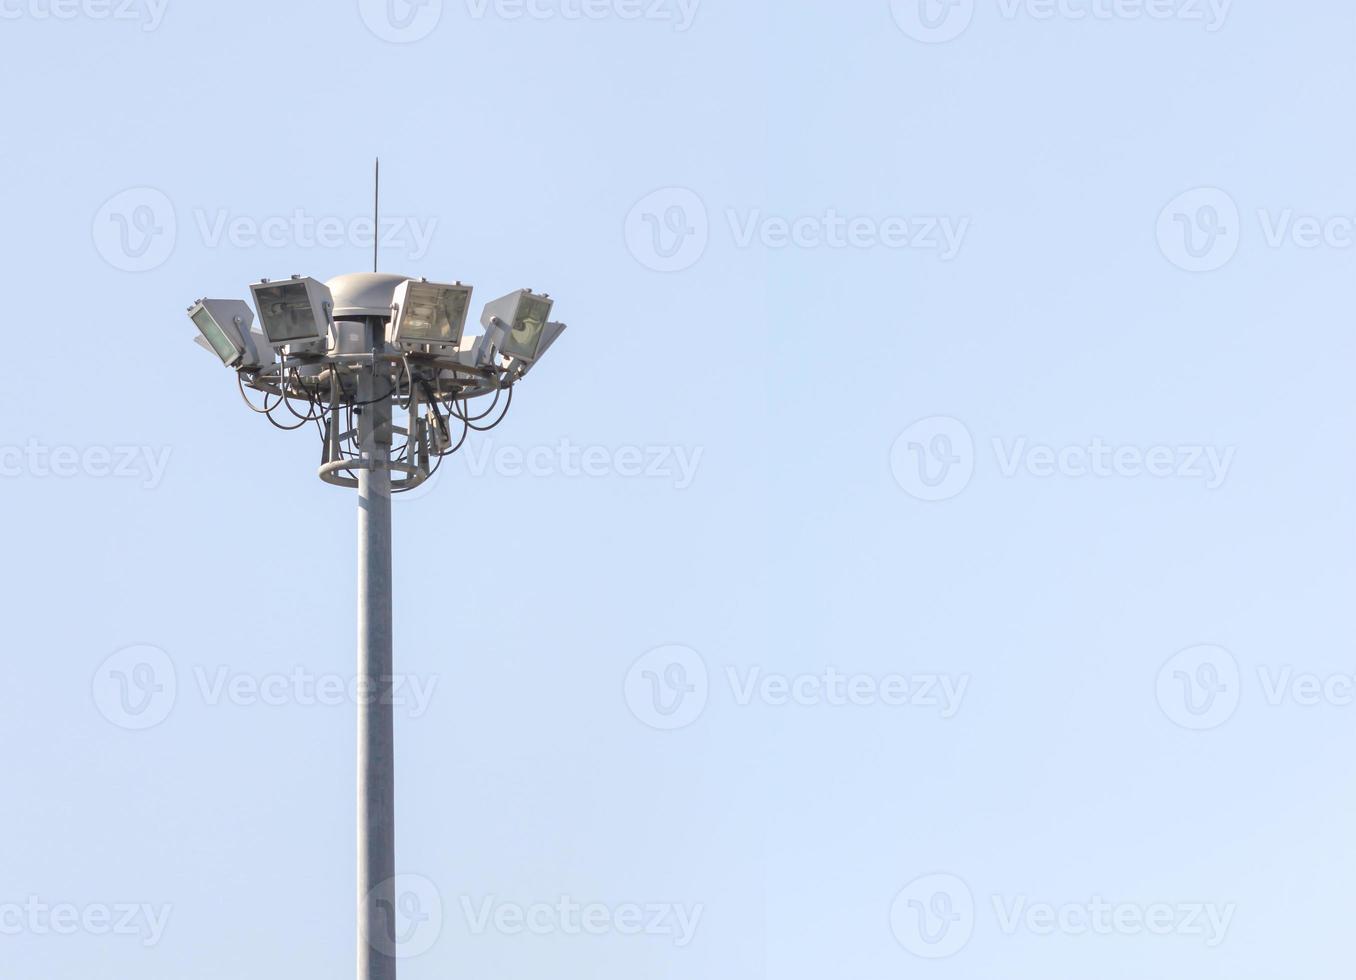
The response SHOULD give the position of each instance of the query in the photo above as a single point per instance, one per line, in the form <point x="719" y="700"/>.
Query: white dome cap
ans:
<point x="364" y="293"/>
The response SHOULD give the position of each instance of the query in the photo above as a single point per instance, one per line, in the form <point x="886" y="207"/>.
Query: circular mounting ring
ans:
<point x="330" y="472"/>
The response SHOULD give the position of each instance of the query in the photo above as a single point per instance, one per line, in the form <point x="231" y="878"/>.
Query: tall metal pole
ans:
<point x="376" y="729"/>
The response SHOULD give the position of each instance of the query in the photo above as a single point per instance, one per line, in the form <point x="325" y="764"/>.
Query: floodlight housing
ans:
<point x="552" y="334"/>
<point x="429" y="316"/>
<point x="225" y="327"/>
<point x="520" y="320"/>
<point x="549" y="336"/>
<point x="294" y="312"/>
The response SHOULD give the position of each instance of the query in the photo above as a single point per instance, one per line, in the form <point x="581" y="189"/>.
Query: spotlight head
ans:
<point x="225" y="327"/>
<point x="553" y="332"/>
<point x="550" y="336"/>
<point x="429" y="315"/>
<point x="295" y="312"/>
<point x="520" y="319"/>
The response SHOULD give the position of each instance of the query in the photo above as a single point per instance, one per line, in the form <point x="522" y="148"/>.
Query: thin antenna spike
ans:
<point x="376" y="212"/>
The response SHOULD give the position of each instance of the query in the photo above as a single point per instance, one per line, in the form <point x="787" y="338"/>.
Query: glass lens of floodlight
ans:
<point x="285" y="309"/>
<point x="434" y="314"/>
<point x="528" y="326"/>
<point x="211" y="330"/>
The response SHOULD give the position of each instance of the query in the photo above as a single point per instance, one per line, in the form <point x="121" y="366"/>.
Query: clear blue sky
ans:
<point x="936" y="523"/>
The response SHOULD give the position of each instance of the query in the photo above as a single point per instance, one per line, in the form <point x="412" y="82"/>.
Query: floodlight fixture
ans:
<point x="549" y="336"/>
<point x="520" y="319"/>
<point x="225" y="327"/>
<point x="429" y="316"/>
<point x="295" y="312"/>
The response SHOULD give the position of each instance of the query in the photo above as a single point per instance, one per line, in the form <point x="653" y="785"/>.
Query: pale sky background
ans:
<point x="981" y="365"/>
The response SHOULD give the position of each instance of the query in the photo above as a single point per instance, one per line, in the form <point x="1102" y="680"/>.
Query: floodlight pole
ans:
<point x="429" y="375"/>
<point x="376" y="728"/>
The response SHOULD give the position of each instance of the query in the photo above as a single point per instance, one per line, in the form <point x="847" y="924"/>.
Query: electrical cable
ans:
<point x="310" y="414"/>
<point x="484" y="414"/>
<point x="502" y="415"/>
<point x="287" y="428"/>
<point x="240" y="382"/>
